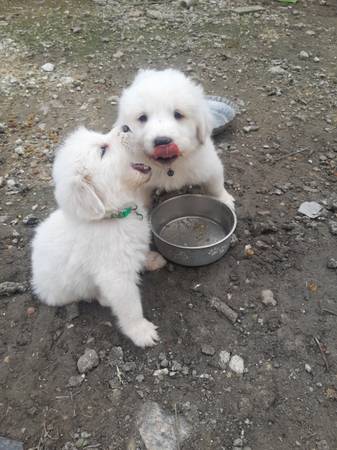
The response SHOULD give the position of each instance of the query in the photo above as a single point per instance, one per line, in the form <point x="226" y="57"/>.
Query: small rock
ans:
<point x="236" y="364"/>
<point x="9" y="444"/>
<point x="207" y="350"/>
<point x="19" y="150"/>
<point x="76" y="29"/>
<point x="332" y="263"/>
<point x="304" y="55"/>
<point x="160" y="372"/>
<point x="238" y="443"/>
<point x="2" y="128"/>
<point x="140" y="378"/>
<point x="118" y="54"/>
<point x="310" y="209"/>
<point x="249" y="251"/>
<point x="323" y="445"/>
<point x="48" y="67"/>
<point x="116" y="356"/>
<point x="307" y="368"/>
<point x="316" y="59"/>
<point x="164" y="363"/>
<point x="333" y="227"/>
<point x="176" y="366"/>
<point x="30" y="220"/>
<point x="186" y="3"/>
<point x="250" y="128"/>
<point x="129" y="366"/>
<point x="268" y="297"/>
<point x="10" y="288"/>
<point x="277" y="70"/>
<point x="224" y="358"/>
<point x="88" y="361"/>
<point x="30" y="311"/>
<point x="76" y="380"/>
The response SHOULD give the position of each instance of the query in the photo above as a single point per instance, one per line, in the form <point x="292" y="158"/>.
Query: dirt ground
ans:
<point x="280" y="64"/>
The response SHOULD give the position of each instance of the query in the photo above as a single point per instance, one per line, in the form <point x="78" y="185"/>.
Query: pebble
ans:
<point x="323" y="445"/>
<point x="332" y="263"/>
<point x="224" y="358"/>
<point x="304" y="55"/>
<point x="238" y="443"/>
<point x="236" y="364"/>
<point x="310" y="209"/>
<point x="268" y="297"/>
<point x="30" y="311"/>
<point x="207" y="350"/>
<point x="140" y="378"/>
<point x="9" y="444"/>
<point x="48" y="67"/>
<point x="160" y="430"/>
<point x="249" y="251"/>
<point x="307" y="368"/>
<point x="277" y="70"/>
<point x="116" y="356"/>
<point x="76" y="380"/>
<point x="250" y="128"/>
<point x="88" y="361"/>
<point x="333" y="227"/>
<point x="11" y="287"/>
<point x="30" y="220"/>
<point x="118" y="54"/>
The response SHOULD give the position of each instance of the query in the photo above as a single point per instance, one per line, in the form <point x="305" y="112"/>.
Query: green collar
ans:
<point x="123" y="212"/>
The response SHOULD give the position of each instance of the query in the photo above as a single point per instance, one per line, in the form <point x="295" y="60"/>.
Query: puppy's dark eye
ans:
<point x="125" y="129"/>
<point x="178" y="115"/>
<point x="103" y="148"/>
<point x="142" y="118"/>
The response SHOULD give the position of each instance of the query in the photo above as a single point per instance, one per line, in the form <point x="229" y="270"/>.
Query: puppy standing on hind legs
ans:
<point x="94" y="245"/>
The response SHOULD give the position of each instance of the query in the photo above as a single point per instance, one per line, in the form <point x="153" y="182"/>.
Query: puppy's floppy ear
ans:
<point x="78" y="198"/>
<point x="204" y="122"/>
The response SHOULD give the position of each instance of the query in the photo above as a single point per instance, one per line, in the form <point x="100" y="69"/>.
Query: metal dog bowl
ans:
<point x="223" y="113"/>
<point x="192" y="229"/>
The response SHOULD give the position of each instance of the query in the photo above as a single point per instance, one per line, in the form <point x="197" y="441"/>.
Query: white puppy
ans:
<point x="94" y="245"/>
<point x="171" y="122"/>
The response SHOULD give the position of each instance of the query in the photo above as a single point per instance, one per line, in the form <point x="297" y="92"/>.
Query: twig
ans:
<point x="322" y="352"/>
<point x="223" y="308"/>
<point x="176" y="426"/>
<point x="290" y="154"/>
<point x="330" y="311"/>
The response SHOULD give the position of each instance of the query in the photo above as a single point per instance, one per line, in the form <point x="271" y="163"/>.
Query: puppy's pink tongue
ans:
<point x="166" y="151"/>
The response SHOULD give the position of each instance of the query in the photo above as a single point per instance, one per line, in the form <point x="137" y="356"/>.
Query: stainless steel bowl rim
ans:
<point x="201" y="246"/>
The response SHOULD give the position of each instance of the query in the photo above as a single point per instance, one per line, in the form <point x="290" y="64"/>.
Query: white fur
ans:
<point x="158" y="94"/>
<point x="78" y="254"/>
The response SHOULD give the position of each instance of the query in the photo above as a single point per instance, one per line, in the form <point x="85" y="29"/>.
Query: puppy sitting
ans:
<point x="172" y="124"/>
<point x="95" y="244"/>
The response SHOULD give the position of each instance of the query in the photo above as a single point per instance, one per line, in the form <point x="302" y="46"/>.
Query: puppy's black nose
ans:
<point x="162" y="140"/>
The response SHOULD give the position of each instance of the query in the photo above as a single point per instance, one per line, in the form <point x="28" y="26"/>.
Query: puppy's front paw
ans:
<point x="154" y="261"/>
<point x="143" y="333"/>
<point x="227" y="199"/>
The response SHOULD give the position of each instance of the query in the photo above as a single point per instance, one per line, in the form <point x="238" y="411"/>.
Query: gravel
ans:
<point x="268" y="298"/>
<point x="237" y="364"/>
<point x="207" y="350"/>
<point x="88" y="361"/>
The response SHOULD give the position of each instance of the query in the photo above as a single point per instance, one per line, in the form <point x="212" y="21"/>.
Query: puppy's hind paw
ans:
<point x="143" y="333"/>
<point x="154" y="261"/>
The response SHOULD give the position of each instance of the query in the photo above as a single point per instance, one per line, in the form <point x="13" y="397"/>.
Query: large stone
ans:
<point x="160" y="430"/>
